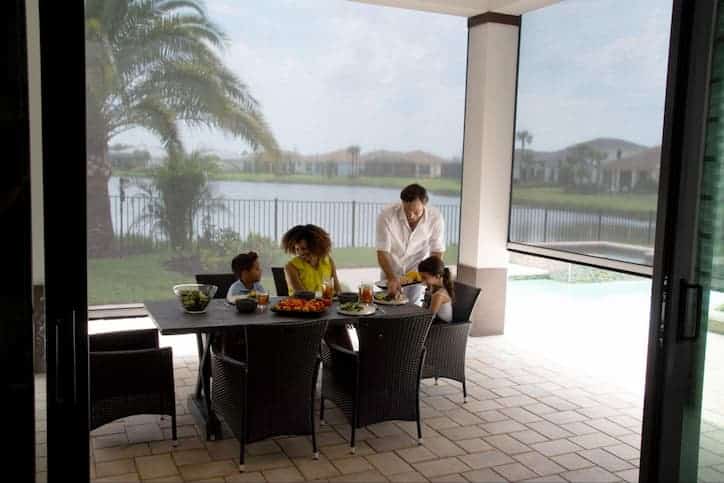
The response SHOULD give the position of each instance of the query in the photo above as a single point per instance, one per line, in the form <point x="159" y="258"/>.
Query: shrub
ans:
<point x="219" y="246"/>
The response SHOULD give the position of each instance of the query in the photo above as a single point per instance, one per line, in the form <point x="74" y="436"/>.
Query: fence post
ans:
<point x="120" y="226"/>
<point x="600" y="222"/>
<point x="545" y="224"/>
<point x="276" y="219"/>
<point x="354" y="221"/>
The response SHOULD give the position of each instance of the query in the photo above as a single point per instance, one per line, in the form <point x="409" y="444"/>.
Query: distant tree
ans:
<point x="178" y="190"/>
<point x="581" y="168"/>
<point x="353" y="152"/>
<point x="525" y="138"/>
<point x="646" y="183"/>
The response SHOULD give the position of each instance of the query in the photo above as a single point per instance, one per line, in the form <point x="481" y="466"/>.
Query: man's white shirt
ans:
<point x="407" y="248"/>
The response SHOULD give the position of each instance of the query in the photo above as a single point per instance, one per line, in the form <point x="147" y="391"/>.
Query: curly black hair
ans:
<point x="243" y="261"/>
<point x="318" y="241"/>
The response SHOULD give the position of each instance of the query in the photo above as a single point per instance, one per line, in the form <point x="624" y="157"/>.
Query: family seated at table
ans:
<point x="409" y="236"/>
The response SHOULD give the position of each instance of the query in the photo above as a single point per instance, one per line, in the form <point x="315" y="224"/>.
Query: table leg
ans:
<point x="199" y="378"/>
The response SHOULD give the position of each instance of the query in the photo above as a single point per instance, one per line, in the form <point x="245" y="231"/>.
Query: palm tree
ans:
<point x="524" y="137"/>
<point x="152" y="64"/>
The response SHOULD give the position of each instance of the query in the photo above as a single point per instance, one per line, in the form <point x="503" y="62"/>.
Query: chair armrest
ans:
<point x="451" y="325"/>
<point x="124" y="341"/>
<point x="230" y="362"/>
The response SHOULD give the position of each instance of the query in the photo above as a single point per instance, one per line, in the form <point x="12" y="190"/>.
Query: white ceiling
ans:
<point x="465" y="8"/>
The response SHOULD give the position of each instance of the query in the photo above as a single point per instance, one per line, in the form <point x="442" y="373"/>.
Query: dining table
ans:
<point x="170" y="319"/>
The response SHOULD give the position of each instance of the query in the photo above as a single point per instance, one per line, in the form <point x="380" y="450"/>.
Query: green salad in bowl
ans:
<point x="195" y="297"/>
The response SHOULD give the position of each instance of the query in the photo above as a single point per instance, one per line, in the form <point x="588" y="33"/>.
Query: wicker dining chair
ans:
<point x="130" y="375"/>
<point x="222" y="280"/>
<point x="280" y="281"/>
<point x="447" y="342"/>
<point x="272" y="393"/>
<point x="381" y="381"/>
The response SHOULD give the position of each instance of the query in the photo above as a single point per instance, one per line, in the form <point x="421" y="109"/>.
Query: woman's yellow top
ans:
<point x="312" y="277"/>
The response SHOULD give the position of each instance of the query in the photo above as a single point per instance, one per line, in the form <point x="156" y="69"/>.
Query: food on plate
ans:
<point x="353" y="307"/>
<point x="410" y="277"/>
<point x="389" y="297"/>
<point x="294" y="304"/>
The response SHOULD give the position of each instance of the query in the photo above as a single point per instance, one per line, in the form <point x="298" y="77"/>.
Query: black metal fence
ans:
<point x="352" y="223"/>
<point x="349" y="223"/>
<point x="536" y="224"/>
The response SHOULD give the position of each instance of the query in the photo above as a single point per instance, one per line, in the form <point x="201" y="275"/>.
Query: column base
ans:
<point x="488" y="317"/>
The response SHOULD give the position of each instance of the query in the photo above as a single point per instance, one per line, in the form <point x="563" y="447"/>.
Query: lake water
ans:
<point x="348" y="214"/>
<point x="296" y="192"/>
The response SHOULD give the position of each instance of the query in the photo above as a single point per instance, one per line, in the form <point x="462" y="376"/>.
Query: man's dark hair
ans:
<point x="243" y="262"/>
<point x="414" y="192"/>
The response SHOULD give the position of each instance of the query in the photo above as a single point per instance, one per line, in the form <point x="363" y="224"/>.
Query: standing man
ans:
<point x="407" y="233"/>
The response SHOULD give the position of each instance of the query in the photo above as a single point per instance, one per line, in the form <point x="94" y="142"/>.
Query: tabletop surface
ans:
<point x="170" y="318"/>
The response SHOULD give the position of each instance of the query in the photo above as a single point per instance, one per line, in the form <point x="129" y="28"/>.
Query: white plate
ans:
<point x="369" y="310"/>
<point x="383" y="284"/>
<point x="401" y="301"/>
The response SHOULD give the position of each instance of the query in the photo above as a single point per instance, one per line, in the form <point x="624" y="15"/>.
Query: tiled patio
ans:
<point x="534" y="414"/>
<point x="525" y="419"/>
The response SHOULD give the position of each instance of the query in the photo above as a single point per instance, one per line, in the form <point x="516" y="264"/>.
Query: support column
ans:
<point x="487" y="164"/>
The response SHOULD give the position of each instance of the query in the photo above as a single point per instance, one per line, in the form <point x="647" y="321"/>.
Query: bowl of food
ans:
<point x="246" y="305"/>
<point x="304" y="295"/>
<point x="195" y="297"/>
<point x="348" y="297"/>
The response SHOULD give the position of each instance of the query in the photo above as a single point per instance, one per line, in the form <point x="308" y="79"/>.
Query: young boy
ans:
<point x="247" y="270"/>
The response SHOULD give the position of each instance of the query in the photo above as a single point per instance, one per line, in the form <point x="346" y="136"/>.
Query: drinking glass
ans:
<point x="262" y="299"/>
<point x="328" y="289"/>
<point x="366" y="293"/>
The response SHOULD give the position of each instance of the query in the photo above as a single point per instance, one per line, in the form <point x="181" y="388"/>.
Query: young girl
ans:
<point x="312" y="265"/>
<point x="247" y="271"/>
<point x="437" y="278"/>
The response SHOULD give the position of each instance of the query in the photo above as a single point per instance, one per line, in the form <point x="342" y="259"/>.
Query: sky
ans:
<point x="333" y="73"/>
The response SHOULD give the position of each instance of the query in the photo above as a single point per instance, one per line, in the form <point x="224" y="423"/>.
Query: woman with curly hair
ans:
<point x="312" y="264"/>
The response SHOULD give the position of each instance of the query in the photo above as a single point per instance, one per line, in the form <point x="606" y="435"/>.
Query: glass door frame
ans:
<point x="62" y="59"/>
<point x="669" y="446"/>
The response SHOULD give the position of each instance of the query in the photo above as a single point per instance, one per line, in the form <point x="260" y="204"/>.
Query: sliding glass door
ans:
<point x="684" y="413"/>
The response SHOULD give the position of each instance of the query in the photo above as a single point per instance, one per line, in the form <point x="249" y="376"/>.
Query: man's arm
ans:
<point x="384" y="257"/>
<point x="385" y="263"/>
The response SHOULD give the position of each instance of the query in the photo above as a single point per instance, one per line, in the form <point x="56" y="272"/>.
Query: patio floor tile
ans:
<point x="156" y="466"/>
<point x="486" y="459"/>
<point x="515" y="472"/>
<point x="440" y="467"/>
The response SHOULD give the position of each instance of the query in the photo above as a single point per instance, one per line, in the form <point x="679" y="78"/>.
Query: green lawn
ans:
<point x="556" y="197"/>
<point x="143" y="277"/>
<point x="131" y="279"/>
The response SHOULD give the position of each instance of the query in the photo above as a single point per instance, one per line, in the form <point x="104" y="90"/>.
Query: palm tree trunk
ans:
<point x="100" y="228"/>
